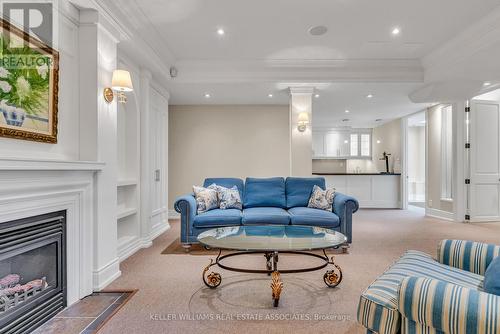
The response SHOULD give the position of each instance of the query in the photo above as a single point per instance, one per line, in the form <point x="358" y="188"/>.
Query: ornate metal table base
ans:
<point x="332" y="278"/>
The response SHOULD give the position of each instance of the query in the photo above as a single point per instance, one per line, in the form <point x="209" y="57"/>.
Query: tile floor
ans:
<point x="88" y="315"/>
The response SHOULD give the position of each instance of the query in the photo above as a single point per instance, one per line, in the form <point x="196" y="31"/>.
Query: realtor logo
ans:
<point x="35" y="18"/>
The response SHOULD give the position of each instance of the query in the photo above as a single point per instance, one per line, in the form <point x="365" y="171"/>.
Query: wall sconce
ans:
<point x="121" y="83"/>
<point x="303" y="121"/>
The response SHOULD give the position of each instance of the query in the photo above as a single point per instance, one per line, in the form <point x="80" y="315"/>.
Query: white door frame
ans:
<point x="404" y="159"/>
<point x="404" y="163"/>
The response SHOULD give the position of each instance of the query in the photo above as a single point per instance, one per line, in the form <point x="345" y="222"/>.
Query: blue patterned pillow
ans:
<point x="206" y="199"/>
<point x="492" y="277"/>
<point x="229" y="198"/>
<point x="321" y="199"/>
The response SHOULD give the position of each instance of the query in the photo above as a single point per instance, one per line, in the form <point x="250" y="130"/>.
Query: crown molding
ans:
<point x="481" y="35"/>
<point x="299" y="71"/>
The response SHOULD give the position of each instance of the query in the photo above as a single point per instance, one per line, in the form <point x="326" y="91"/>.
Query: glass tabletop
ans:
<point x="271" y="238"/>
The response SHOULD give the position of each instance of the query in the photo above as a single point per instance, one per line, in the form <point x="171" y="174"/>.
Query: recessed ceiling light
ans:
<point x="316" y="95"/>
<point x="269" y="95"/>
<point x="378" y="141"/>
<point x="347" y="111"/>
<point x="318" y="30"/>
<point x="346" y="141"/>
<point x="396" y="31"/>
<point x="207" y="95"/>
<point x="220" y="32"/>
<point x="369" y="96"/>
<point x="486" y="84"/>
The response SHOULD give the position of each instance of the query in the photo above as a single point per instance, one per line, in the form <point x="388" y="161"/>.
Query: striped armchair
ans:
<point x="418" y="294"/>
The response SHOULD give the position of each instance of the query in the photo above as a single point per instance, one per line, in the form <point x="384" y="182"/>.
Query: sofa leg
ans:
<point x="345" y="248"/>
<point x="187" y="247"/>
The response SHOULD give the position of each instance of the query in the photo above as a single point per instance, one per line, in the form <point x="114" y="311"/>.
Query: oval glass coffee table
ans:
<point x="272" y="240"/>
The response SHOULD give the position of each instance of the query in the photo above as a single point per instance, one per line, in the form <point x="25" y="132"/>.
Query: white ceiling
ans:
<point x="266" y="46"/>
<point x="263" y="29"/>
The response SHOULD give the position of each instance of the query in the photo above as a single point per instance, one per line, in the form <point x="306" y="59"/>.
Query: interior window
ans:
<point x="365" y="144"/>
<point x="354" y="144"/>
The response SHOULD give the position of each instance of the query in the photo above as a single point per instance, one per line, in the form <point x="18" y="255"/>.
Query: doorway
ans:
<point x="416" y="153"/>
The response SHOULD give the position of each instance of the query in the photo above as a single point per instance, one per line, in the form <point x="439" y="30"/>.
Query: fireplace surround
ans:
<point x="32" y="271"/>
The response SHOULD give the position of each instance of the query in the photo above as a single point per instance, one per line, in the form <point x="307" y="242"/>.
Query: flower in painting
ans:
<point x="23" y="88"/>
<point x="4" y="73"/>
<point x="5" y="86"/>
<point x="42" y="70"/>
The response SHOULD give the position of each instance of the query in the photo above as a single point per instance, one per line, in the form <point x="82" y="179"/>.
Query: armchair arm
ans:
<point x="430" y="306"/>
<point x="344" y="206"/>
<point x="467" y="255"/>
<point x="186" y="206"/>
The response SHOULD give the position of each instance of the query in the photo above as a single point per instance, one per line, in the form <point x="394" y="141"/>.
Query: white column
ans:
<point x="300" y="142"/>
<point x="98" y="138"/>
<point x="87" y="58"/>
<point x="146" y="176"/>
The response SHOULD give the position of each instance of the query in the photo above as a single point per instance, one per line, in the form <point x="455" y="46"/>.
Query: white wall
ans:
<point x="433" y="181"/>
<point x="226" y="141"/>
<point x="416" y="163"/>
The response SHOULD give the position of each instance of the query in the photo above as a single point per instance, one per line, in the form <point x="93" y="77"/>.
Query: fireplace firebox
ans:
<point x="32" y="271"/>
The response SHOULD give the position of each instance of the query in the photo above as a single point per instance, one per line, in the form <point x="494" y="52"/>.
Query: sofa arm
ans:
<point x="186" y="206"/>
<point x="430" y="306"/>
<point x="467" y="255"/>
<point x="344" y="206"/>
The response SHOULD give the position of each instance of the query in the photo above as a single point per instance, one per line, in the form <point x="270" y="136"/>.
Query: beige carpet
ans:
<point x="172" y="297"/>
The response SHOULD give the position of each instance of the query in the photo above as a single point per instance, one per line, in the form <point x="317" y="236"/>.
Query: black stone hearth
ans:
<point x="32" y="271"/>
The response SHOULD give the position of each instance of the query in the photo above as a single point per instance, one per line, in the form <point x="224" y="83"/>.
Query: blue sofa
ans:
<point x="267" y="201"/>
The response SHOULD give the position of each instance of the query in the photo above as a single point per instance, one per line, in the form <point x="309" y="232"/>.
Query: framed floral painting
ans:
<point x="28" y="86"/>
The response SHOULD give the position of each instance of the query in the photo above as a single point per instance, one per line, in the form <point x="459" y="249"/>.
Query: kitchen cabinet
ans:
<point x="381" y="191"/>
<point x="341" y="144"/>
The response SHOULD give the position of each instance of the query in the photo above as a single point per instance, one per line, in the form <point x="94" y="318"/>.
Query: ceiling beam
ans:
<point x="299" y="71"/>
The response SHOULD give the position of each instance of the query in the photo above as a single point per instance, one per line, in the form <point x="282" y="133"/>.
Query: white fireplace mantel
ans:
<point x="24" y="164"/>
<point x="41" y="187"/>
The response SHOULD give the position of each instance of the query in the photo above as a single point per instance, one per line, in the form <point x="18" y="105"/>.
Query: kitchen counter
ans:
<point x="338" y="173"/>
<point x="372" y="190"/>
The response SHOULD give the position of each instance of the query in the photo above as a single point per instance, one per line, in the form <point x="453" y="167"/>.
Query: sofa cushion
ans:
<point x="299" y="189"/>
<point x="492" y="277"/>
<point x="264" y="192"/>
<point x="217" y="218"/>
<point x="264" y="215"/>
<point x="378" y="305"/>
<point x="315" y="217"/>
<point x="227" y="182"/>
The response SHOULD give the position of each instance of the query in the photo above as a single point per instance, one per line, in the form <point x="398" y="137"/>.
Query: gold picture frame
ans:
<point x="29" y="86"/>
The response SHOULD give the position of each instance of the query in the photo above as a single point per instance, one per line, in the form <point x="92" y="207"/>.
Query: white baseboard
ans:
<point x="172" y="214"/>
<point x="158" y="229"/>
<point x="440" y="214"/>
<point x="129" y="249"/>
<point x="105" y="275"/>
<point x="137" y="244"/>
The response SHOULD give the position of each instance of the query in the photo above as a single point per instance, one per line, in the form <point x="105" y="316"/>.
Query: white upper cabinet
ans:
<point x="342" y="144"/>
<point x="318" y="141"/>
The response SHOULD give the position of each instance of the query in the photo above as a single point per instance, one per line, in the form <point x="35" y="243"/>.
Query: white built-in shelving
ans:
<point x="128" y="193"/>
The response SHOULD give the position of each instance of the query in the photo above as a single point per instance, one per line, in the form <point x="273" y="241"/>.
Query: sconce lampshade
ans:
<point x="302" y="121"/>
<point x="121" y="81"/>
<point x="303" y="118"/>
